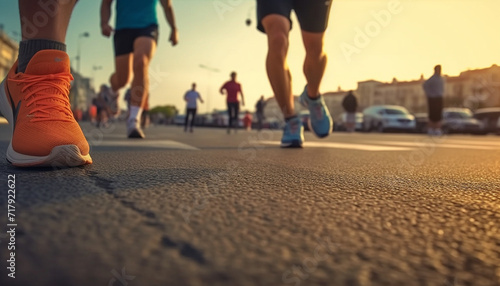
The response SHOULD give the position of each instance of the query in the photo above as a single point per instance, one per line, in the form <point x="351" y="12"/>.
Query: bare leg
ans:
<point x="277" y="28"/>
<point x="144" y="49"/>
<point x="315" y="61"/>
<point x="121" y="77"/>
<point x="38" y="23"/>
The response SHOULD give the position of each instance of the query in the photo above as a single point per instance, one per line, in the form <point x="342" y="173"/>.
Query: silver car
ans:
<point x="388" y="117"/>
<point x="460" y="120"/>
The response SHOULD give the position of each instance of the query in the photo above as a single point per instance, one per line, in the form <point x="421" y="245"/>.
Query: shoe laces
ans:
<point x="293" y="127"/>
<point x="49" y="96"/>
<point x="317" y="110"/>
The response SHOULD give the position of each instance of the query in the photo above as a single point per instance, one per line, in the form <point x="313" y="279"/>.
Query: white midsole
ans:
<point x="67" y="155"/>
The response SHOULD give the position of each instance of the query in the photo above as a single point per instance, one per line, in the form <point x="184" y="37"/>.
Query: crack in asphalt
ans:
<point x="101" y="182"/>
<point x="107" y="185"/>
<point x="185" y="249"/>
<point x="132" y="206"/>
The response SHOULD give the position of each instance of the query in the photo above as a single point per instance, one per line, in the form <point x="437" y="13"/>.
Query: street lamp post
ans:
<point x="209" y="70"/>
<point x="94" y="69"/>
<point x="78" y="51"/>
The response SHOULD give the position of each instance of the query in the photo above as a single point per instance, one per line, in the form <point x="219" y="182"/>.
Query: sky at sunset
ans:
<point x="365" y="40"/>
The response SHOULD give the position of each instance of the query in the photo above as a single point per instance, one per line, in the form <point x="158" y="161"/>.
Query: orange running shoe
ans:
<point x="36" y="104"/>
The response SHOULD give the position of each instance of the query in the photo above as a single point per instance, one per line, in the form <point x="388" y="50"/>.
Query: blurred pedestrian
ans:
<point x="93" y="112"/>
<point x="191" y="97"/>
<point x="350" y="104"/>
<point x="434" y="90"/>
<point x="247" y="121"/>
<point x="274" y="20"/>
<point x="259" y="112"/>
<point x="233" y="88"/>
<point x="103" y="111"/>
<point x="135" y="41"/>
<point x="126" y="98"/>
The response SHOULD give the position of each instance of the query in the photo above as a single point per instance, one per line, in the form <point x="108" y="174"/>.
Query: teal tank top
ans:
<point x="135" y="14"/>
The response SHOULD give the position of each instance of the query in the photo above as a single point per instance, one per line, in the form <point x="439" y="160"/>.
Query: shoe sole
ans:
<point x="322" y="135"/>
<point x="293" y="144"/>
<point x="135" y="134"/>
<point x="60" y="156"/>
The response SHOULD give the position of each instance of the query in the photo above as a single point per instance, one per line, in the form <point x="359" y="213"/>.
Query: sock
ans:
<point x="28" y="48"/>
<point x="290" y="118"/>
<point x="316" y="98"/>
<point x="309" y="97"/>
<point x="135" y="113"/>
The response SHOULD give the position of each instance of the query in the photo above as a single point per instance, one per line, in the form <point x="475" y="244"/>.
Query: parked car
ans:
<point x="388" y="117"/>
<point x="421" y="120"/>
<point x="339" y="124"/>
<point x="179" y="119"/>
<point x="490" y="119"/>
<point x="460" y="120"/>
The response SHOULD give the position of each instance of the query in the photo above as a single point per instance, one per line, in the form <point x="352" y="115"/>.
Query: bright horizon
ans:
<point x="365" y="40"/>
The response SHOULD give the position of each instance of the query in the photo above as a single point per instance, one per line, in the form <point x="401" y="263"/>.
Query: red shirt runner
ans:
<point x="232" y="88"/>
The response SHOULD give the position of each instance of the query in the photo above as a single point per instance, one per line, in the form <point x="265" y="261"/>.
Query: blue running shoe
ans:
<point x="320" y="120"/>
<point x="293" y="134"/>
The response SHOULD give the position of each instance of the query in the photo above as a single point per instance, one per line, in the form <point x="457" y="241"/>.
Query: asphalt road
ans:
<point x="209" y="208"/>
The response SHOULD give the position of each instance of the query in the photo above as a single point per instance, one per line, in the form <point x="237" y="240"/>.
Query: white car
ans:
<point x="388" y="117"/>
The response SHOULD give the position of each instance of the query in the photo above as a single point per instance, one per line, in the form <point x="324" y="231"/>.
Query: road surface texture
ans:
<point x="208" y="208"/>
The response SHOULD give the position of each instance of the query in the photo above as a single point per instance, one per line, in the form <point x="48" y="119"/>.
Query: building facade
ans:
<point x="81" y="92"/>
<point x="8" y="53"/>
<point x="472" y="89"/>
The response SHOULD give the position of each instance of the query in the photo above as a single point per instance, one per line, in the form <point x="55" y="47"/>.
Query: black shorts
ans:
<point x="124" y="38"/>
<point x="312" y="14"/>
<point x="435" y="108"/>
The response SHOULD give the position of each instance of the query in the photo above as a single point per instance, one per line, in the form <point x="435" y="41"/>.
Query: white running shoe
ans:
<point x="134" y="129"/>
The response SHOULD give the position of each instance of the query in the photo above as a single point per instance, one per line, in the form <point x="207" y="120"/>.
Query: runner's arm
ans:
<point x="106" y="29"/>
<point x="222" y="89"/>
<point x="169" y="14"/>
<point x="242" y="97"/>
